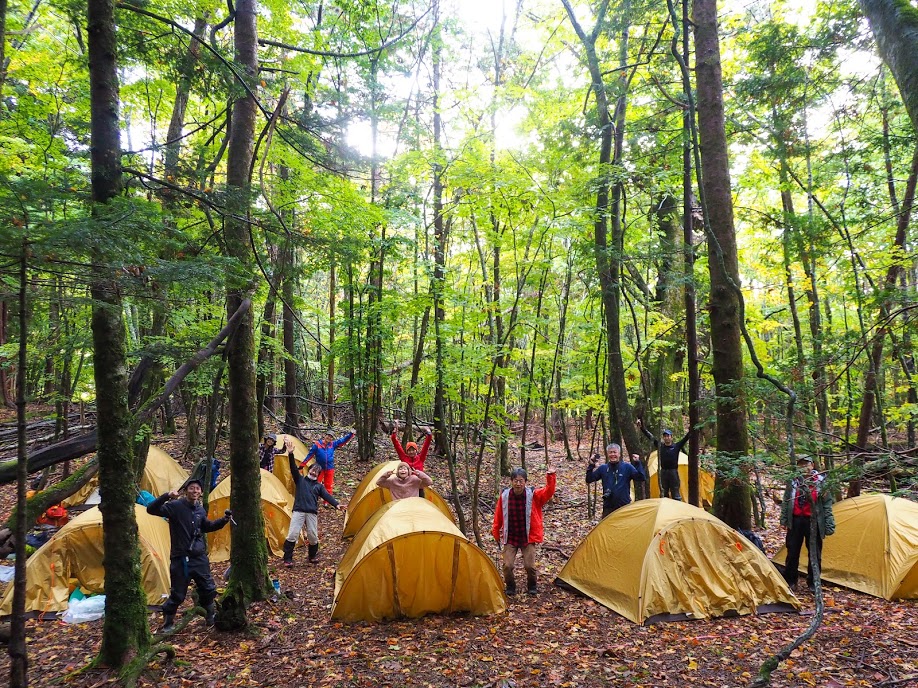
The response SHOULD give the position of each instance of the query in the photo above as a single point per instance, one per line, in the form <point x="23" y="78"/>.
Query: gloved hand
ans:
<point x="228" y="513"/>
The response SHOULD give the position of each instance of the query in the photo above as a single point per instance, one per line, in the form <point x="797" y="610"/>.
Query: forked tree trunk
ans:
<point x="608" y="241"/>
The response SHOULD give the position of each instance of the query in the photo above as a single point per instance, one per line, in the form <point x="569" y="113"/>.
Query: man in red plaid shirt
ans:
<point x="518" y="525"/>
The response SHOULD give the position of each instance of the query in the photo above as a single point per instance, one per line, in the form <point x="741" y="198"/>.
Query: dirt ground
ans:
<point x="553" y="638"/>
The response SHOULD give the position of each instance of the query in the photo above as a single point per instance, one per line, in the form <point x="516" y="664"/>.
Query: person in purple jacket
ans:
<point x="324" y="453"/>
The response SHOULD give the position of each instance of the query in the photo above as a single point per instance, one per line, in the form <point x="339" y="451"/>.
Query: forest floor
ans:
<point x="553" y="638"/>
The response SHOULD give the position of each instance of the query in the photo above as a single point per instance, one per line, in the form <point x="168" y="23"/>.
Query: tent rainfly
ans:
<point x="874" y="548"/>
<point x="73" y="557"/>
<point x="705" y="480"/>
<point x="409" y="560"/>
<point x="161" y="474"/>
<point x="367" y="498"/>
<point x="276" y="505"/>
<point x="282" y="466"/>
<point x="663" y="560"/>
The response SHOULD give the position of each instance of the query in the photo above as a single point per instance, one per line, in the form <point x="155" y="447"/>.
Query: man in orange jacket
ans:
<point x="518" y="525"/>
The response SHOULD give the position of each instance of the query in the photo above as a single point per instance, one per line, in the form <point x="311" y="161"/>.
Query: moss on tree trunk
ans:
<point x="125" y="632"/>
<point x="249" y="557"/>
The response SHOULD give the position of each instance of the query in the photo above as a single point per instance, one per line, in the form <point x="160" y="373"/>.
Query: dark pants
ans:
<point x="608" y="506"/>
<point x="797" y="534"/>
<point x="669" y="484"/>
<point x="183" y="571"/>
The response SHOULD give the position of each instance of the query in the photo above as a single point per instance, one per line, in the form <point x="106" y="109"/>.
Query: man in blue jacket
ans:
<point x="616" y="476"/>
<point x="324" y="453"/>
<point x="188" y="559"/>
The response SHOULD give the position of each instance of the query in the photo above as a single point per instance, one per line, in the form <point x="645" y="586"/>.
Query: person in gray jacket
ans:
<point x="306" y="508"/>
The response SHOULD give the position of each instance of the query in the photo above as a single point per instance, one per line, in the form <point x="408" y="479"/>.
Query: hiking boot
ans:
<point x="168" y="623"/>
<point x="531" y="584"/>
<point x="288" y="552"/>
<point x="211" y="615"/>
<point x="510" y="590"/>
<point x="313" y="553"/>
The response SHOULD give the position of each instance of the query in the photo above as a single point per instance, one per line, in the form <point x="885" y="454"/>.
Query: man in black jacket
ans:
<point x="667" y="461"/>
<point x="187" y="525"/>
<point x="306" y="508"/>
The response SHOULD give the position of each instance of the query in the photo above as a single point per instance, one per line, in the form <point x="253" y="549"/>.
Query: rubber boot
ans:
<point x="211" y="615"/>
<point x="531" y="587"/>
<point x="313" y="553"/>
<point x="168" y="623"/>
<point x="288" y="552"/>
<point x="509" y="583"/>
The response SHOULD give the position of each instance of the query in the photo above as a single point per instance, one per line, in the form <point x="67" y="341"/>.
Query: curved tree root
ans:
<point x="130" y="674"/>
<point x="771" y="664"/>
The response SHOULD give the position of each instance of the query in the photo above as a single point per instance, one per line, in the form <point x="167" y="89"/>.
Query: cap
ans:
<point x="667" y="431"/>
<point x="195" y="480"/>
<point x="411" y="445"/>
<point x="804" y="458"/>
<point x="271" y="436"/>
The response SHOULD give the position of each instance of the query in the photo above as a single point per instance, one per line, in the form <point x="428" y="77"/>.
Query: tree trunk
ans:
<point x="265" y="364"/>
<point x="895" y="27"/>
<point x="439" y="275"/>
<point x="691" y="326"/>
<point x="732" y="500"/>
<point x="17" y="650"/>
<point x="608" y="250"/>
<point x="671" y="297"/>
<point x="125" y="632"/>
<point x="876" y="351"/>
<point x="249" y="555"/>
<point x="291" y="407"/>
<point x="332" y="303"/>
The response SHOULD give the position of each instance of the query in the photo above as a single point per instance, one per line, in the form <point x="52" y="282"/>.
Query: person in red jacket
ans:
<point x="518" y="525"/>
<point x="410" y="453"/>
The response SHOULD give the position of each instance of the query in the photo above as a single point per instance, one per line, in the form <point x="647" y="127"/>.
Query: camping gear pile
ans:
<point x="68" y="546"/>
<point x="72" y="559"/>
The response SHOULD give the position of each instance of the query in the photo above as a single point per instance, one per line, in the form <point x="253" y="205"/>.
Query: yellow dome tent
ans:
<point x="161" y="474"/>
<point x="663" y="560"/>
<point x="874" y="548"/>
<point x="410" y="560"/>
<point x="276" y="505"/>
<point x="367" y="498"/>
<point x="282" y="465"/>
<point x="73" y="557"/>
<point x="705" y="480"/>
